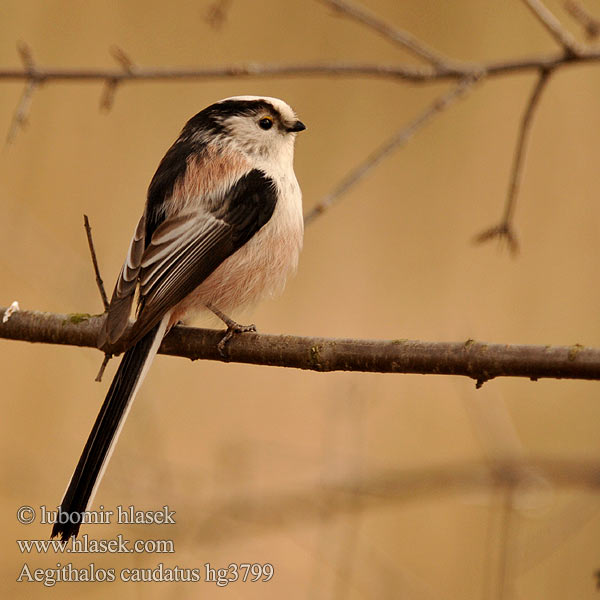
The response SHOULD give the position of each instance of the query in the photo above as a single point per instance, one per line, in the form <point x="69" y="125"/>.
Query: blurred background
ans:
<point x="243" y="454"/>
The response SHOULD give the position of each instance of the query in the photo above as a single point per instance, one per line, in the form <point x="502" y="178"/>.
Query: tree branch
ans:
<point x="397" y="36"/>
<point x="398" y="72"/>
<point x="398" y="139"/>
<point x="554" y="27"/>
<point x="590" y="24"/>
<point x="505" y="230"/>
<point x="476" y="360"/>
<point x="99" y="282"/>
<point x="24" y="106"/>
<point x="439" y="68"/>
<point x="217" y="12"/>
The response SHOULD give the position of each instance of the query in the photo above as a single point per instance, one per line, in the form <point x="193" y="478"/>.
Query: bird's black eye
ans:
<point x="266" y="123"/>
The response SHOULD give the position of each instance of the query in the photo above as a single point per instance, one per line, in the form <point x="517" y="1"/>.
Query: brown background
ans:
<point x="393" y="259"/>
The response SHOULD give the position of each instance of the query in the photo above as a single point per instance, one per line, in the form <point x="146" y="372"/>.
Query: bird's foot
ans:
<point x="233" y="328"/>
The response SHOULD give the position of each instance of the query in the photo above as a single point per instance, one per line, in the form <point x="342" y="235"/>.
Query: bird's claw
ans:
<point x="232" y="329"/>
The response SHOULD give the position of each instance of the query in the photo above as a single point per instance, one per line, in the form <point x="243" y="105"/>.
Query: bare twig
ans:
<point x="103" y="366"/>
<point x="590" y="24"/>
<point x="99" y="282"/>
<point x="123" y="59"/>
<point x="398" y="139"/>
<point x="439" y="69"/>
<point x="398" y="72"/>
<point x="393" y="34"/>
<point x="26" y="56"/>
<point x="216" y="15"/>
<point x="504" y="230"/>
<point x="554" y="27"/>
<point x="522" y="140"/>
<point x="22" y="111"/>
<point x="347" y="69"/>
<point x="24" y="106"/>
<point x="476" y="360"/>
<point x="107" y="99"/>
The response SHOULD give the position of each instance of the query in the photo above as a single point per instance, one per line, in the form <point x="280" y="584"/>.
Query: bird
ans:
<point x="221" y="229"/>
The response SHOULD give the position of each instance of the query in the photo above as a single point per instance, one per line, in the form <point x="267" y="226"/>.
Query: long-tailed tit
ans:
<point x="222" y="227"/>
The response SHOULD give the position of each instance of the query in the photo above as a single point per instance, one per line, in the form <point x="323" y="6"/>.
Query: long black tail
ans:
<point x="95" y="455"/>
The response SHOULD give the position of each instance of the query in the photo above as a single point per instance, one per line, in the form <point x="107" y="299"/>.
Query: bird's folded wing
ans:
<point x="186" y="248"/>
<point x="124" y="292"/>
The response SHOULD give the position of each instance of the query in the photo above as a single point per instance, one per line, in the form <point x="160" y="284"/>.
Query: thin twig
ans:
<point x="326" y="69"/>
<point x="393" y="34"/>
<point x="26" y="56"/>
<point x="103" y="366"/>
<point x="107" y="99"/>
<point x="554" y="27"/>
<point x="99" y="282"/>
<point x="394" y="142"/>
<point x="22" y="110"/>
<point x="590" y="24"/>
<point x="504" y="230"/>
<point x="443" y="71"/>
<point x="122" y="58"/>
<point x="398" y="72"/>
<point x="527" y="120"/>
<point x="217" y="12"/>
<point x="24" y="106"/>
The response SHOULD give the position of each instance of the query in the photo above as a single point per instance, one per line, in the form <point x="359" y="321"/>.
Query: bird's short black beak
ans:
<point x="297" y="126"/>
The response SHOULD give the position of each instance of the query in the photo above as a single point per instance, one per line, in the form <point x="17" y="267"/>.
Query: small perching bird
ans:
<point x="222" y="228"/>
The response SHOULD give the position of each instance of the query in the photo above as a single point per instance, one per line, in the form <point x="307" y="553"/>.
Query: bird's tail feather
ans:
<point x="101" y="441"/>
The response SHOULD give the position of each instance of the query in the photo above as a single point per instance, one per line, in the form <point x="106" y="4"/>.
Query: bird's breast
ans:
<point x="261" y="266"/>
